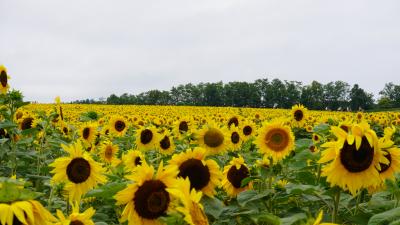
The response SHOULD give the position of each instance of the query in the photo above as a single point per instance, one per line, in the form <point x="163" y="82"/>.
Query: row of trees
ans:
<point x="264" y="93"/>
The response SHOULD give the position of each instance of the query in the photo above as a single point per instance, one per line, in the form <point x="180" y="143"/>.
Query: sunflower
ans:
<point x="166" y="144"/>
<point x="182" y="127"/>
<point x="316" y="138"/>
<point x="4" y="86"/>
<point x="234" y="174"/>
<point x="213" y="138"/>
<point x="87" y="132"/>
<point x="27" y="121"/>
<point x="76" y="218"/>
<point x="118" y="125"/>
<point x="80" y="171"/>
<point x="133" y="159"/>
<point x="235" y="138"/>
<point x="275" y="140"/>
<point x="147" y="199"/>
<point x="248" y="130"/>
<point x="392" y="153"/>
<point x="354" y="158"/>
<point x="233" y="121"/>
<point x="146" y="138"/>
<point x="191" y="207"/>
<point x="109" y="152"/>
<point x="204" y="175"/>
<point x="299" y="113"/>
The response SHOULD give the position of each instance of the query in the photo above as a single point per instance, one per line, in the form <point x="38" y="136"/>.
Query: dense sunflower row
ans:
<point x="177" y="165"/>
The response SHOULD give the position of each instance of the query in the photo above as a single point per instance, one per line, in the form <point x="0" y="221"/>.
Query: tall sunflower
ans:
<point x="354" y="158"/>
<point x="27" y="121"/>
<point x="275" y="140"/>
<point x="4" y="86"/>
<point x="147" y="199"/>
<point x="234" y="174"/>
<point x="213" y="138"/>
<point x="76" y="218"/>
<point x="299" y="113"/>
<point x="248" y="129"/>
<point x="118" y="125"/>
<point x="204" y="174"/>
<point x="146" y="138"/>
<point x="191" y="207"/>
<point x="79" y="170"/>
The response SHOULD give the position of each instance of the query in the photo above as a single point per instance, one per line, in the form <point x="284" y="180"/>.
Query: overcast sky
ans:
<point x="92" y="48"/>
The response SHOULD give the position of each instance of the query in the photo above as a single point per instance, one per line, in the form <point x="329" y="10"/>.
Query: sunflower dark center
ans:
<point x="146" y="136"/>
<point x="26" y="123"/>
<point x="277" y="139"/>
<point x="86" y="133"/>
<point x="108" y="152"/>
<point x="65" y="130"/>
<point x="234" y="121"/>
<point x="235" y="176"/>
<point x="235" y="138"/>
<point x="3" y="78"/>
<point x="312" y="148"/>
<point x="183" y="126"/>
<point x="344" y="127"/>
<point x="316" y="138"/>
<point x="357" y="160"/>
<point x="78" y="170"/>
<point x="138" y="161"/>
<point x="76" y="222"/>
<point x="298" y="115"/>
<point x="213" y="138"/>
<point x="165" y="143"/>
<point x="385" y="167"/>
<point x="247" y="130"/>
<point x="151" y="200"/>
<point x="119" y="125"/>
<point x="199" y="174"/>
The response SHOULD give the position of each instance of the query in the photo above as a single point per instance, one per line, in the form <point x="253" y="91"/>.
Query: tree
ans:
<point x="391" y="92"/>
<point x="360" y="99"/>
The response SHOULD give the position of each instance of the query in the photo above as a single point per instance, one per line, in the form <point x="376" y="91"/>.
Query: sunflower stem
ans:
<point x="358" y="202"/>
<point x="336" y="206"/>
<point x="318" y="173"/>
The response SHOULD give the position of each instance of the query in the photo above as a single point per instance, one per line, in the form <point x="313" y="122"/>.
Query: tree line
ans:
<point x="337" y="95"/>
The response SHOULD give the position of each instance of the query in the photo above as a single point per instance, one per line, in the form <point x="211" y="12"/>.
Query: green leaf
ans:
<point x="251" y="195"/>
<point x="385" y="217"/>
<point x="106" y="191"/>
<point x="7" y="124"/>
<point x="212" y="206"/>
<point x="297" y="218"/>
<point x="266" y="218"/>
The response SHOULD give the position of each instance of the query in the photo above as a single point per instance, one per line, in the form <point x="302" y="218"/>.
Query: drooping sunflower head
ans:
<point x="108" y="152"/>
<point x="213" y="138"/>
<point x="299" y="114"/>
<point x="355" y="158"/>
<point x="275" y="140"/>
<point x="17" y="205"/>
<point x="234" y="174"/>
<point x="132" y="159"/>
<point x="204" y="175"/>
<point x="80" y="172"/>
<point x="87" y="132"/>
<point x="147" y="199"/>
<point x="146" y="138"/>
<point x="118" y="125"/>
<point x="4" y="86"/>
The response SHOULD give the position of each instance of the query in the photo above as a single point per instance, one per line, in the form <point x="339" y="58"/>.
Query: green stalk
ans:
<point x="336" y="206"/>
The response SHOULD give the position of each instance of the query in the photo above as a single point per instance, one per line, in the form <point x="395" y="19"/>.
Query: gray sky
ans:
<point x="93" y="48"/>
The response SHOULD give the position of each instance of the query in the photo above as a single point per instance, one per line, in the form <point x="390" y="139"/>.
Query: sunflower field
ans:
<point x="116" y="164"/>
